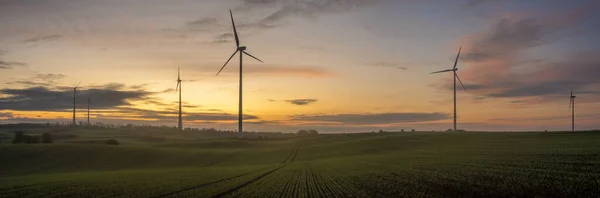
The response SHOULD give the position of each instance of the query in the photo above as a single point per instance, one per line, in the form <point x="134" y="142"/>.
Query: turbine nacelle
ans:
<point x="242" y="48"/>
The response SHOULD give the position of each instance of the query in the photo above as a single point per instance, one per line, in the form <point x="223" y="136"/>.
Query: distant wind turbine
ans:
<point x="74" y="100"/>
<point x="454" y="69"/>
<point x="180" y="121"/>
<point x="242" y="50"/>
<point x="572" y="108"/>
<point x="88" y="113"/>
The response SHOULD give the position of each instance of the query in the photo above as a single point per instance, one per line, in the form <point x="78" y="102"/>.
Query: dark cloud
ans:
<point x="169" y="90"/>
<point x="301" y="102"/>
<point x="374" y="119"/>
<point x="202" y="24"/>
<point x="29" y="83"/>
<point x="39" y="80"/>
<point x="387" y="64"/>
<point x="43" y="38"/>
<point x="474" y="3"/>
<point x="303" y="8"/>
<point x="50" y="77"/>
<point x="223" y="38"/>
<point x="576" y="72"/>
<point x="271" y="100"/>
<point x="498" y="65"/>
<point x="45" y="99"/>
<point x="11" y="64"/>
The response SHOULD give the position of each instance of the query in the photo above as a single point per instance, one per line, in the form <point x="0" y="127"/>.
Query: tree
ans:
<point x="112" y="142"/>
<point x="402" y="130"/>
<point x="47" y="138"/>
<point x="302" y="132"/>
<point x="313" y="132"/>
<point x="18" y="137"/>
<point x="34" y="139"/>
<point x="413" y="130"/>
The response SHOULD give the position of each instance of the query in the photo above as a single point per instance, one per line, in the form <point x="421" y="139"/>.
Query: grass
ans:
<point x="353" y="165"/>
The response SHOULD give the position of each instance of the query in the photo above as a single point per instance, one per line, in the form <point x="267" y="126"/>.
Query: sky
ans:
<point x="330" y="65"/>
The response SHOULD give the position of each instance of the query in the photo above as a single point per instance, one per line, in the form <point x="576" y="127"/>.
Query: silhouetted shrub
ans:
<point x="380" y="131"/>
<point x="413" y="130"/>
<point x="47" y="138"/>
<point x="449" y="130"/>
<point x="33" y="139"/>
<point x="18" y="138"/>
<point x="112" y="142"/>
<point x="307" y="132"/>
<point x="402" y="130"/>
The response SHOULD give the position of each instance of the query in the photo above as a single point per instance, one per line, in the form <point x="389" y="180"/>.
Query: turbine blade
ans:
<point x="227" y="62"/>
<point x="78" y="84"/>
<point x="570" y="103"/>
<point x="463" y="86"/>
<point x="456" y="61"/>
<point x="237" y="39"/>
<point x="178" y="74"/>
<point x="252" y="56"/>
<point x="177" y="88"/>
<point x="448" y="70"/>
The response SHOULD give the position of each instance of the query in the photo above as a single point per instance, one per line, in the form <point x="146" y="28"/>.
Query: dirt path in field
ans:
<point x="223" y="159"/>
<point x="208" y="183"/>
<point x="291" y="157"/>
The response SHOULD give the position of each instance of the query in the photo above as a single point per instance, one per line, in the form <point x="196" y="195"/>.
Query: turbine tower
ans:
<point x="454" y="70"/>
<point x="242" y="50"/>
<point x="572" y="108"/>
<point x="178" y="88"/>
<point x="74" y="100"/>
<point x="88" y="113"/>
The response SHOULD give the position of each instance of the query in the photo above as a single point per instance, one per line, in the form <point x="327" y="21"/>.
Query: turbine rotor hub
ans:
<point x="242" y="48"/>
<point x="455" y="69"/>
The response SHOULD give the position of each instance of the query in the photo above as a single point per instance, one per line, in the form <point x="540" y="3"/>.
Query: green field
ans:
<point x="415" y="164"/>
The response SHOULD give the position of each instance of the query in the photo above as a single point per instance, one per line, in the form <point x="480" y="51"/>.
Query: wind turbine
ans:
<point x="242" y="50"/>
<point x="179" y="122"/>
<point x="74" y="100"/>
<point x="572" y="108"/>
<point x="453" y="70"/>
<point x="88" y="115"/>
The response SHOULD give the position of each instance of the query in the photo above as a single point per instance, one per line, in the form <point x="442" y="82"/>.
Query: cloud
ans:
<point x="301" y="102"/>
<point x="202" y="24"/>
<point x="169" y="90"/>
<point x="45" y="99"/>
<point x="277" y="70"/>
<point x="387" y="64"/>
<point x="6" y="115"/>
<point x="223" y="38"/>
<point x="374" y="119"/>
<point x="303" y="8"/>
<point x="11" y="64"/>
<point x="50" y="77"/>
<point x="43" y="38"/>
<point x="475" y="3"/>
<point x="498" y="64"/>
<point x="168" y="115"/>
